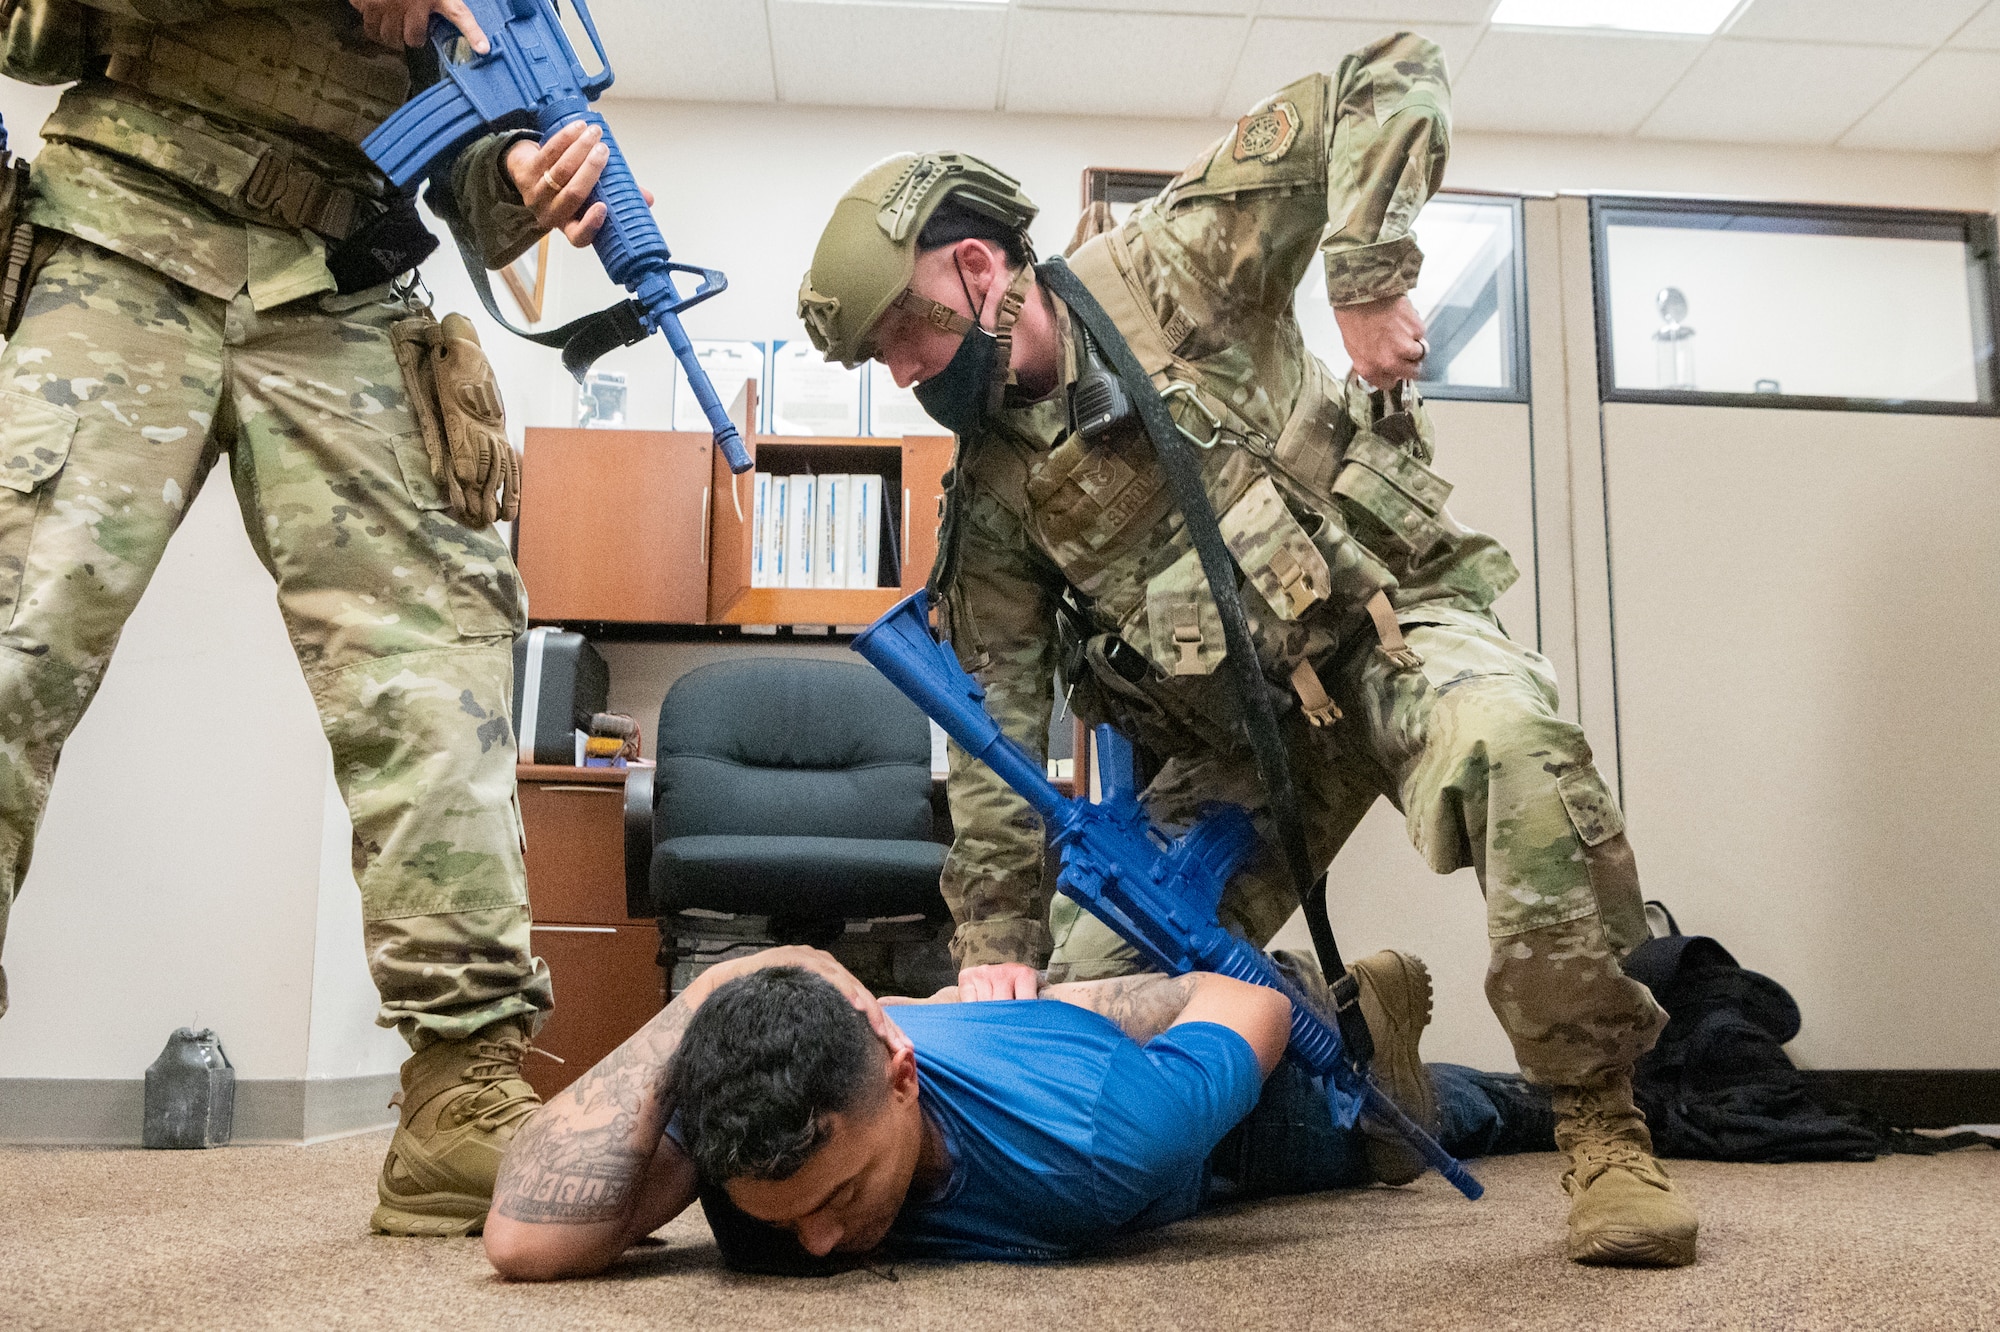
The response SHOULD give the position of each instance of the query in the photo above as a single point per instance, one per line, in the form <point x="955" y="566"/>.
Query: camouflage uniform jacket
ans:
<point x="1321" y="488"/>
<point x="210" y="136"/>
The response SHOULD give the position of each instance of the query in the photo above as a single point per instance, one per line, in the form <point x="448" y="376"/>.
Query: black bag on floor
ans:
<point x="1719" y="1085"/>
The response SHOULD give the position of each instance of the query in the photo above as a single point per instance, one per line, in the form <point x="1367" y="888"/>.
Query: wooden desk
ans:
<point x="605" y="965"/>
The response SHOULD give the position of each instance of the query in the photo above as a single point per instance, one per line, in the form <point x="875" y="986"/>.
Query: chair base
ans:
<point x="900" y="956"/>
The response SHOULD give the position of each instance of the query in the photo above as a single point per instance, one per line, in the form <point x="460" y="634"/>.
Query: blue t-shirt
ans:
<point x="1061" y="1129"/>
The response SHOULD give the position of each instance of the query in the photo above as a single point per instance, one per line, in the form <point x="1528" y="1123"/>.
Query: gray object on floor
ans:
<point x="190" y="1093"/>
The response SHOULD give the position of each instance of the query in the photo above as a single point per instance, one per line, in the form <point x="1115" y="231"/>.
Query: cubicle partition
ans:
<point x="1800" y="456"/>
<point x="1751" y="483"/>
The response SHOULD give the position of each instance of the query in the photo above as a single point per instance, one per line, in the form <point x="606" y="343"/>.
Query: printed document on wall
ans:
<point x="811" y="395"/>
<point x="895" y="411"/>
<point x="727" y="364"/>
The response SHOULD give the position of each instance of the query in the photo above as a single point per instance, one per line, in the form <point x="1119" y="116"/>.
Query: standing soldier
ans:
<point x="1368" y="606"/>
<point x="204" y="265"/>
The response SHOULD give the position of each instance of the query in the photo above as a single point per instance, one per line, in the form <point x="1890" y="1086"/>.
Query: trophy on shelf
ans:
<point x="1673" y="341"/>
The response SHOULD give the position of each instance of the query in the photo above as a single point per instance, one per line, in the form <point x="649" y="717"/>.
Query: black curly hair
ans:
<point x="765" y="1061"/>
<point x="954" y="222"/>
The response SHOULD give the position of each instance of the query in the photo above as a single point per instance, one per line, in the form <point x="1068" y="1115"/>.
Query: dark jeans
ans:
<point x="1289" y="1143"/>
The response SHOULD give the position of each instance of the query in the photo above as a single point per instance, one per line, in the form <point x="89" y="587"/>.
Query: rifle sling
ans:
<point x="582" y="340"/>
<point x="1260" y="718"/>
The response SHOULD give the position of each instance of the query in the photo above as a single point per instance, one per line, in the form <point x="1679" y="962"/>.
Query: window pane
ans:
<point x="1816" y="306"/>
<point x="1466" y="294"/>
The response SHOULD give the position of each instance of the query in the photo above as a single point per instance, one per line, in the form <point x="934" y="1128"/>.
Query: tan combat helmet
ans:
<point x="869" y="250"/>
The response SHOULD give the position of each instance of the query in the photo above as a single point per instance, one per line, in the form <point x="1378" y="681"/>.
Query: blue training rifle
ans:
<point x="532" y="78"/>
<point x="1159" y="893"/>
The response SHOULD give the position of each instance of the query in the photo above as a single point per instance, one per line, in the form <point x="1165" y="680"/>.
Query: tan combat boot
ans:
<point x="462" y="1102"/>
<point x="1396" y="1004"/>
<point x="1624" y="1211"/>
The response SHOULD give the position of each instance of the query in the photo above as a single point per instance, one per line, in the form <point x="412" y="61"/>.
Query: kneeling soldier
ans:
<point x="1369" y="607"/>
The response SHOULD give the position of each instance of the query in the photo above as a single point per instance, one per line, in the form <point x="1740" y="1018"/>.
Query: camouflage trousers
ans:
<point x="1471" y="750"/>
<point x="118" y="393"/>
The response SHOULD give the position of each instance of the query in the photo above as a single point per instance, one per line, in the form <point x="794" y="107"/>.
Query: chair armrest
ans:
<point x="639" y="843"/>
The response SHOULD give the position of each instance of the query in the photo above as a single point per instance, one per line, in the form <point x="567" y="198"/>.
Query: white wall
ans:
<point x="747" y="188"/>
<point x="193" y="864"/>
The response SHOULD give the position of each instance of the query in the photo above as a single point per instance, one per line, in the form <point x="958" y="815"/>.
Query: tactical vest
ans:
<point x="260" y="111"/>
<point x="1322" y="508"/>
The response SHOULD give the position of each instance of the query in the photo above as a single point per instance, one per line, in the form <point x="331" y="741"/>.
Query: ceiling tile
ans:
<point x="1922" y="23"/>
<point x="1983" y="32"/>
<point x="1949" y="105"/>
<point x="1561" y="83"/>
<point x="1236" y="7"/>
<point x="1778" y="92"/>
<point x="1281" y="50"/>
<point x="721" y="49"/>
<point x="1428" y="11"/>
<point x="887" y="54"/>
<point x="1095" y="63"/>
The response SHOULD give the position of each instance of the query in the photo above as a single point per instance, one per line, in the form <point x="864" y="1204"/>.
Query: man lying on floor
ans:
<point x="816" y="1130"/>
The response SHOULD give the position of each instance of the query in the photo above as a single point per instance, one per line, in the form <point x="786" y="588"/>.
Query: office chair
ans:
<point x="792" y="796"/>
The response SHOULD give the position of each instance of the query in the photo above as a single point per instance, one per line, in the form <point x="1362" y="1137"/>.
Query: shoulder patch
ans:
<point x="1267" y="134"/>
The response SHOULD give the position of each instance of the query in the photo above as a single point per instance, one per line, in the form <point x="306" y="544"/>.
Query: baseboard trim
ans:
<point x="1915" y="1097"/>
<point x="110" y="1112"/>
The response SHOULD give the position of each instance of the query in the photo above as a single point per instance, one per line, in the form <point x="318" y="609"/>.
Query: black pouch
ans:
<point x="382" y="249"/>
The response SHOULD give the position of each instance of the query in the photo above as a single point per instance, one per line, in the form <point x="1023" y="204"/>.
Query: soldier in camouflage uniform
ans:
<point x="193" y="184"/>
<point x="1369" y="606"/>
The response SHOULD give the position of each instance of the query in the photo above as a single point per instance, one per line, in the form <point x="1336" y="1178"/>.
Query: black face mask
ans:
<point x="955" y="397"/>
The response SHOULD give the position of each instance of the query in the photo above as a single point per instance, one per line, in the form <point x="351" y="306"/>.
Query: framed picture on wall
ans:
<point x="527" y="280"/>
<point x="1109" y="196"/>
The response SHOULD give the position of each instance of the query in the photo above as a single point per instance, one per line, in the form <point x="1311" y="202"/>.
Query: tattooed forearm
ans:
<point x="580" y="1160"/>
<point x="1142" y="1006"/>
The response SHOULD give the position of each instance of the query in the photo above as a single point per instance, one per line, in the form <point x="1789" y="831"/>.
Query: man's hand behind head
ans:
<point x="790" y="1102"/>
<point x="998" y="980"/>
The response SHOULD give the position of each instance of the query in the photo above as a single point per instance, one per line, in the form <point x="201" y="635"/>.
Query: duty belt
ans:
<point x="262" y="181"/>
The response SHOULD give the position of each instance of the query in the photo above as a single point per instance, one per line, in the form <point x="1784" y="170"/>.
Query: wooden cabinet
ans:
<point x="604" y="962"/>
<point x="650" y="527"/>
<point x="618" y="526"/>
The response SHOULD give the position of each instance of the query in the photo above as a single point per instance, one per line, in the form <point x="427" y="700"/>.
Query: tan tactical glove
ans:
<point x="457" y="404"/>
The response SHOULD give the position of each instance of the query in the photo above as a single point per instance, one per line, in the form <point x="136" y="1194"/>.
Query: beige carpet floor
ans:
<point x="274" y="1237"/>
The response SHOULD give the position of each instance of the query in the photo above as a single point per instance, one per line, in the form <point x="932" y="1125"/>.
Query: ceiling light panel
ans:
<point x="1695" y="18"/>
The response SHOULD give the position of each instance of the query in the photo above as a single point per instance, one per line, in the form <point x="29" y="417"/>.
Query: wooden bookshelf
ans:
<point x="914" y="465"/>
<point x="650" y="527"/>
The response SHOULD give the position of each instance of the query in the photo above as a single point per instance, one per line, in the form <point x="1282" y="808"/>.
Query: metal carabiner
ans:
<point x="1180" y="388"/>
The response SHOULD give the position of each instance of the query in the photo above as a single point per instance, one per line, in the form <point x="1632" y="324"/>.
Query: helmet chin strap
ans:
<point x="1004" y="375"/>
